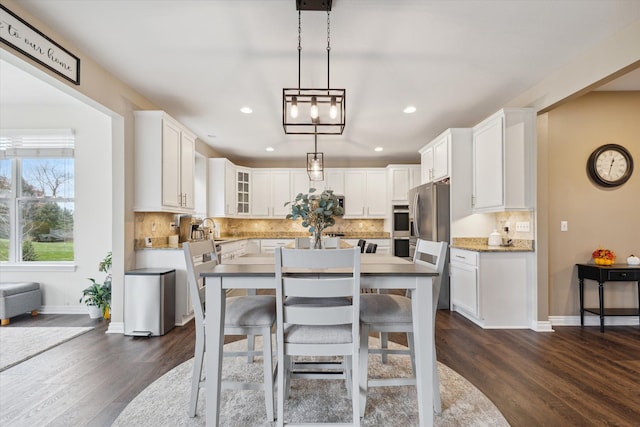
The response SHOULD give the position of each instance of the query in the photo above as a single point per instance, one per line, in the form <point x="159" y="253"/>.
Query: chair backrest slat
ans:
<point x="317" y="287"/>
<point x="304" y="314"/>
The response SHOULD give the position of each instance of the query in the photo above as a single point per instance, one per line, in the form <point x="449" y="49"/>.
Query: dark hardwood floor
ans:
<point x="571" y="377"/>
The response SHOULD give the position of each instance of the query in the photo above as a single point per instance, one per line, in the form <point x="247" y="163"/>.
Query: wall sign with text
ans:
<point x="20" y="35"/>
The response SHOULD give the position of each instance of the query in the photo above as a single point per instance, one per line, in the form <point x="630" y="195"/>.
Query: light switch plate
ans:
<point x="524" y="227"/>
<point x="564" y="226"/>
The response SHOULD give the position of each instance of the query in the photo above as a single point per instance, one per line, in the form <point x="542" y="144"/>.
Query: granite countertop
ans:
<point x="161" y="243"/>
<point x="289" y="235"/>
<point x="480" y="244"/>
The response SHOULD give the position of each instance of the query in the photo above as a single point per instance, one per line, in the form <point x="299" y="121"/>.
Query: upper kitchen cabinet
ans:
<point x="299" y="183"/>
<point x="436" y="159"/>
<point x="334" y="180"/>
<point x="503" y="162"/>
<point x="223" y="188"/>
<point x="365" y="193"/>
<point x="400" y="179"/>
<point x="270" y="190"/>
<point x="164" y="164"/>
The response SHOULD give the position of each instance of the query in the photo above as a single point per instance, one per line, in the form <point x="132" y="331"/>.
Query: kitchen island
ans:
<point x="377" y="272"/>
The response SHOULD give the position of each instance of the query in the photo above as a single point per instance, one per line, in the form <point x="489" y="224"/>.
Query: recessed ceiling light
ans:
<point x="378" y="149"/>
<point x="270" y="149"/>
<point x="410" y="109"/>
<point x="246" y="110"/>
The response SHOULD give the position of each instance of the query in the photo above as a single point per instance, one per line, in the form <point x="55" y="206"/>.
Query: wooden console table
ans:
<point x="603" y="274"/>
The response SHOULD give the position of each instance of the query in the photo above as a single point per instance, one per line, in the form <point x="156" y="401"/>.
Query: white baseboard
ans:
<point x="116" y="328"/>
<point x="542" y="326"/>
<point x="64" y="309"/>
<point x="593" y="320"/>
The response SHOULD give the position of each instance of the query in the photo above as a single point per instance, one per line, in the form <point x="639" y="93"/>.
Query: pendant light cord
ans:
<point x="328" y="45"/>
<point x="299" y="46"/>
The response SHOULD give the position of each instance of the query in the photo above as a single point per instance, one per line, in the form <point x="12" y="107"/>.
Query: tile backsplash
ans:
<point x="513" y="217"/>
<point x="157" y="226"/>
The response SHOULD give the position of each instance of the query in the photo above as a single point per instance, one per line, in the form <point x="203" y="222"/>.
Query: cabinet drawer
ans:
<point x="622" y="276"/>
<point x="464" y="257"/>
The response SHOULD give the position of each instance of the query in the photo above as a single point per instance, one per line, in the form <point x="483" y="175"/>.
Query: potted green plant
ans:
<point x="97" y="296"/>
<point x="94" y="297"/>
<point x="317" y="211"/>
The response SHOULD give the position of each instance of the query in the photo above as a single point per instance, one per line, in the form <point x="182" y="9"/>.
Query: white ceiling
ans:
<point x="456" y="61"/>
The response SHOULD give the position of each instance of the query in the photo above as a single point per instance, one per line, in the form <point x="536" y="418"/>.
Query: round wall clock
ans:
<point x="610" y="165"/>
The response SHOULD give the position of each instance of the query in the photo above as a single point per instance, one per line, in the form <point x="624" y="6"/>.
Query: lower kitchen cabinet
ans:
<point x="493" y="289"/>
<point x="268" y="246"/>
<point x="231" y="249"/>
<point x="170" y="258"/>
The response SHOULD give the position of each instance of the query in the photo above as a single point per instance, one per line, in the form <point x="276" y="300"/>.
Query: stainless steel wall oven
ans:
<point x="400" y="230"/>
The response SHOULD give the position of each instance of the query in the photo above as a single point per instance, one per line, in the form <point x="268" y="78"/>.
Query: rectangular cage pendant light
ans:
<point x="311" y="111"/>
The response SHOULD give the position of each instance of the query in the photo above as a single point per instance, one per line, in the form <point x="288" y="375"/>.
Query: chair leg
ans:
<point x="197" y="373"/>
<point x="268" y="372"/>
<point x="355" y="384"/>
<point x="282" y="373"/>
<point x="437" y="401"/>
<point x="288" y="367"/>
<point x="251" y="346"/>
<point x="364" y="367"/>
<point x="347" y="365"/>
<point x="384" y="344"/>
<point x="412" y="352"/>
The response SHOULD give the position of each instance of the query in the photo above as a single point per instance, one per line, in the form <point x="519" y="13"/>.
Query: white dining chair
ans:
<point x="392" y="313"/>
<point x="244" y="315"/>
<point x="317" y="328"/>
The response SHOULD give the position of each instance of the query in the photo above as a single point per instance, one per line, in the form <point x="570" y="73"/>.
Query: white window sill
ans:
<point x="38" y="266"/>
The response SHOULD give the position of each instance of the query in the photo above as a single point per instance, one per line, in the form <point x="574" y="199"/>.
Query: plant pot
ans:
<point x="94" y="311"/>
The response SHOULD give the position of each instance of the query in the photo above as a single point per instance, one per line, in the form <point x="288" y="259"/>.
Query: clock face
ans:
<point x="610" y="165"/>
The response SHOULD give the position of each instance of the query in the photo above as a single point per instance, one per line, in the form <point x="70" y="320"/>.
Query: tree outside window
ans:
<point x="36" y="216"/>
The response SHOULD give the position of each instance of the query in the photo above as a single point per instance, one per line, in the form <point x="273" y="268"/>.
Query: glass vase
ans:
<point x="317" y="239"/>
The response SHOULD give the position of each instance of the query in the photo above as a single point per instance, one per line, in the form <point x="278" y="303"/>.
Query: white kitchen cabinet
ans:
<point x="222" y="188"/>
<point x="253" y="247"/>
<point x="436" y="158"/>
<point x="400" y="179"/>
<point x="299" y="184"/>
<point x="243" y="191"/>
<point x="503" y="161"/>
<point x="365" y="193"/>
<point x="170" y="258"/>
<point x="493" y="289"/>
<point x="334" y="180"/>
<point x="164" y="164"/>
<point x="231" y="249"/>
<point x="268" y="246"/>
<point x="271" y="189"/>
<point x="464" y="282"/>
<point x="426" y="161"/>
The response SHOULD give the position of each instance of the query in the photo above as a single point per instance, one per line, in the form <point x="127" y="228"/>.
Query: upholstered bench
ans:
<point x="17" y="298"/>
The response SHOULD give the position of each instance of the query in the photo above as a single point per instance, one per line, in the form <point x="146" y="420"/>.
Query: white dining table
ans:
<point x="378" y="271"/>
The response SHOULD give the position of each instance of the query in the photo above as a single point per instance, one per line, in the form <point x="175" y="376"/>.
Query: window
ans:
<point x="36" y="196"/>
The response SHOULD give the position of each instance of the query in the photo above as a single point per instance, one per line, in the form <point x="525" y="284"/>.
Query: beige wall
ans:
<point x="596" y="216"/>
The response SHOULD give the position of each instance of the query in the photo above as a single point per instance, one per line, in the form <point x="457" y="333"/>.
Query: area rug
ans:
<point x="165" y="402"/>
<point x="20" y="344"/>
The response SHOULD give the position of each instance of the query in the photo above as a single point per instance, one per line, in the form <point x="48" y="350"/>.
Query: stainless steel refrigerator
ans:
<point x="430" y="220"/>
